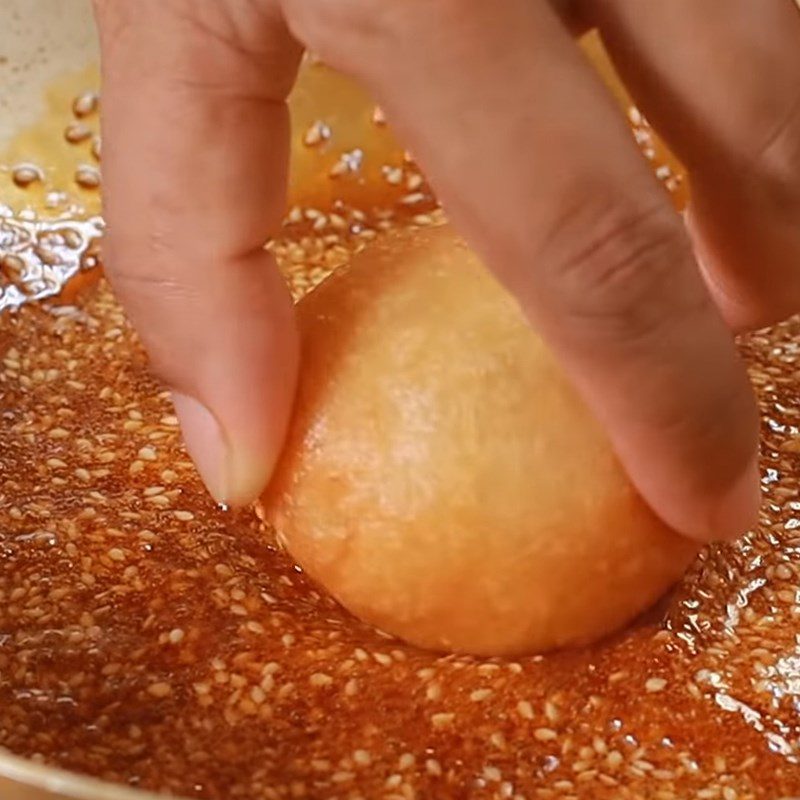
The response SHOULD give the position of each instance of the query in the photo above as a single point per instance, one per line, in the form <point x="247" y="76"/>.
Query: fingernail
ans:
<point x="738" y="510"/>
<point x="206" y="444"/>
<point x="231" y="469"/>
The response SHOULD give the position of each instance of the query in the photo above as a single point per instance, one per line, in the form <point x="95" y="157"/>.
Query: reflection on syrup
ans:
<point x="40" y="258"/>
<point x="149" y="638"/>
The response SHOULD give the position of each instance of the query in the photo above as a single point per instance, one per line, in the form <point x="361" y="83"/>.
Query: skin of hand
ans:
<point x="534" y="165"/>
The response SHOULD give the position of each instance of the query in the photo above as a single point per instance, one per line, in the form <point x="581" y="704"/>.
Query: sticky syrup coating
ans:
<point x="442" y="479"/>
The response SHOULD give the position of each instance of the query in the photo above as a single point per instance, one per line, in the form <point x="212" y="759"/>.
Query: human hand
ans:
<point x="535" y="166"/>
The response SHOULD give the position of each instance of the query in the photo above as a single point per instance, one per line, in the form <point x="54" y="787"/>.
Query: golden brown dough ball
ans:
<point x="441" y="477"/>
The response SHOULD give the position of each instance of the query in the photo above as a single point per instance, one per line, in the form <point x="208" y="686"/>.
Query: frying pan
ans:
<point x="41" y="40"/>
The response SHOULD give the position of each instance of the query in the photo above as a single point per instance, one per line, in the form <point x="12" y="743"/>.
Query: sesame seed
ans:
<point x="85" y="104"/>
<point x="407" y="760"/>
<point x="412" y="199"/>
<point x="160" y="689"/>
<point x="551" y="711"/>
<point x="87" y="177"/>
<point x="258" y="695"/>
<point x="433" y="767"/>
<point x="378" y="117"/>
<point x="614" y="759"/>
<point x="393" y="175"/>
<point x="24" y="175"/>
<point x="525" y="709"/>
<point x="545" y="734"/>
<point x="498" y="740"/>
<point x="655" y="685"/>
<point x="663" y="774"/>
<point x="433" y="692"/>
<point x="317" y="133"/>
<point x="77" y="132"/>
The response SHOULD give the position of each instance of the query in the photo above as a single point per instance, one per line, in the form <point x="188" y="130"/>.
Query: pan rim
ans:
<point x="67" y="784"/>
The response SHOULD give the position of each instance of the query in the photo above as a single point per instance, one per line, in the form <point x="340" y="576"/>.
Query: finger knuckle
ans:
<point x="332" y="29"/>
<point x="615" y="269"/>
<point x="777" y="156"/>
<point x="350" y="33"/>
<point x="155" y="299"/>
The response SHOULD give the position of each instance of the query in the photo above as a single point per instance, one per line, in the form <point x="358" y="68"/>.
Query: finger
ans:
<point x="535" y="166"/>
<point x="194" y="167"/>
<point x="720" y="80"/>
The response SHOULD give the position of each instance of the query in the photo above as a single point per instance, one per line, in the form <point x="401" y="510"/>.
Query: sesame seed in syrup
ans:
<point x="316" y="134"/>
<point x="85" y="104"/>
<point x="77" y="132"/>
<point x="87" y="177"/>
<point x="24" y="175"/>
<point x="378" y="116"/>
<point x="348" y="162"/>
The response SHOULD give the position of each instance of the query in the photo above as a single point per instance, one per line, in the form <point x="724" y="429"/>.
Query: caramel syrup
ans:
<point x="151" y="639"/>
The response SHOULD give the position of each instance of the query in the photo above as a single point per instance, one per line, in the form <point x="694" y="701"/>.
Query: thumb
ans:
<point x="196" y="138"/>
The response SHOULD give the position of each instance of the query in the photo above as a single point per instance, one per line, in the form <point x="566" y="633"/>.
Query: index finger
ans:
<point x="535" y="166"/>
<point x="196" y="145"/>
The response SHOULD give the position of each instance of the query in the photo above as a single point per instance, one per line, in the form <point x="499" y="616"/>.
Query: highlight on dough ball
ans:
<point x="441" y="477"/>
